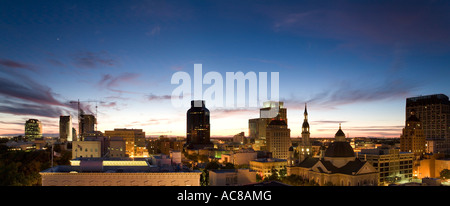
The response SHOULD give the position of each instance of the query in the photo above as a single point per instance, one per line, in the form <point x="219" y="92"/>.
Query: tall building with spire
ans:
<point x="338" y="166"/>
<point x="305" y="148"/>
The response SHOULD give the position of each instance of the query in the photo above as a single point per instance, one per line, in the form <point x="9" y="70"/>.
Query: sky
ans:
<point x="352" y="62"/>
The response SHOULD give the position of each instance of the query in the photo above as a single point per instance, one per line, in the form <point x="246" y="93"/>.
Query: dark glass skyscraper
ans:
<point x="33" y="129"/>
<point x="198" y="128"/>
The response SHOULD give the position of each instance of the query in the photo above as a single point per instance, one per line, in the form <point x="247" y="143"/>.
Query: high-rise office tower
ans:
<point x="413" y="139"/>
<point x="87" y="125"/>
<point x="278" y="138"/>
<point x="197" y="126"/>
<point x="305" y="147"/>
<point x="434" y="114"/>
<point x="257" y="127"/>
<point x="33" y="129"/>
<point x="65" y="128"/>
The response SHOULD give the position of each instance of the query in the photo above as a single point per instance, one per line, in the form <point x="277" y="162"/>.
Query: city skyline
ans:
<point x="353" y="63"/>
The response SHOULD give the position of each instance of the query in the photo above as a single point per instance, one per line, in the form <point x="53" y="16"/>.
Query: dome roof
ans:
<point x="339" y="133"/>
<point x="305" y="124"/>
<point x="339" y="149"/>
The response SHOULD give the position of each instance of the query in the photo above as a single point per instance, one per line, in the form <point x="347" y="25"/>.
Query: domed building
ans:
<point x="337" y="166"/>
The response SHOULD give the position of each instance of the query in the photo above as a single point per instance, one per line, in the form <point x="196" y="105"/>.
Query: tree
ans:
<point x="445" y="174"/>
<point x="228" y="166"/>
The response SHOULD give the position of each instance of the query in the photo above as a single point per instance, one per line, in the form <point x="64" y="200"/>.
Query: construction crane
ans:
<point x="81" y="112"/>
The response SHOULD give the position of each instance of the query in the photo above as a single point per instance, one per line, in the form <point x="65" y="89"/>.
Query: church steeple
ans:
<point x="305" y="126"/>
<point x="305" y="148"/>
<point x="306" y="113"/>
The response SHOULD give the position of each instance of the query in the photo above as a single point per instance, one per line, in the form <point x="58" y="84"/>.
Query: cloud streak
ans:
<point x="92" y="60"/>
<point x="16" y="65"/>
<point x="344" y="93"/>
<point x="382" y="22"/>
<point x="111" y="82"/>
<point x="22" y="87"/>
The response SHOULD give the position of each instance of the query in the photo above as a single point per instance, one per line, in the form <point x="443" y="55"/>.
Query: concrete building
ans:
<point x="394" y="166"/>
<point x="98" y="173"/>
<point x="412" y="138"/>
<point x="116" y="147"/>
<point x="65" y="128"/>
<point x="278" y="138"/>
<point x="434" y="114"/>
<point x="84" y="149"/>
<point x="231" y="177"/>
<point x="257" y="127"/>
<point x="431" y="166"/>
<point x="135" y="145"/>
<point x="239" y="158"/>
<point x="240" y="138"/>
<point x="264" y="166"/>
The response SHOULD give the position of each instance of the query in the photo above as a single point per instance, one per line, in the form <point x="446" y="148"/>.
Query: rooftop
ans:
<point x="269" y="160"/>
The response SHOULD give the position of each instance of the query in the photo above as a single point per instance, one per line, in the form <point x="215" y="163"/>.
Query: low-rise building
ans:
<point x="231" y="177"/>
<point x="240" y="158"/>
<point x="393" y="165"/>
<point x="264" y="166"/>
<point x="98" y="172"/>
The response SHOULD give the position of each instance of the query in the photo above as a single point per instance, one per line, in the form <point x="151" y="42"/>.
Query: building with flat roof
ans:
<point x="119" y="172"/>
<point x="231" y="177"/>
<point x="264" y="166"/>
<point x="434" y="114"/>
<point x="65" y="128"/>
<point x="394" y="166"/>
<point x="135" y="145"/>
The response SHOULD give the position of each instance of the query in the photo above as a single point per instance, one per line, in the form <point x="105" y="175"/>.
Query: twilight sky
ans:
<point x="353" y="62"/>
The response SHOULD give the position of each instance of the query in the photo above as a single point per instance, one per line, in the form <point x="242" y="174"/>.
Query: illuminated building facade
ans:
<point x="412" y="138"/>
<point x="434" y="114"/>
<point x="257" y="127"/>
<point x="394" y="166"/>
<point x="99" y="172"/>
<point x="278" y="138"/>
<point x="197" y="126"/>
<point x="338" y="166"/>
<point x="134" y="141"/>
<point x="33" y="129"/>
<point x="65" y="128"/>
<point x="264" y="166"/>
<point x="83" y="149"/>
